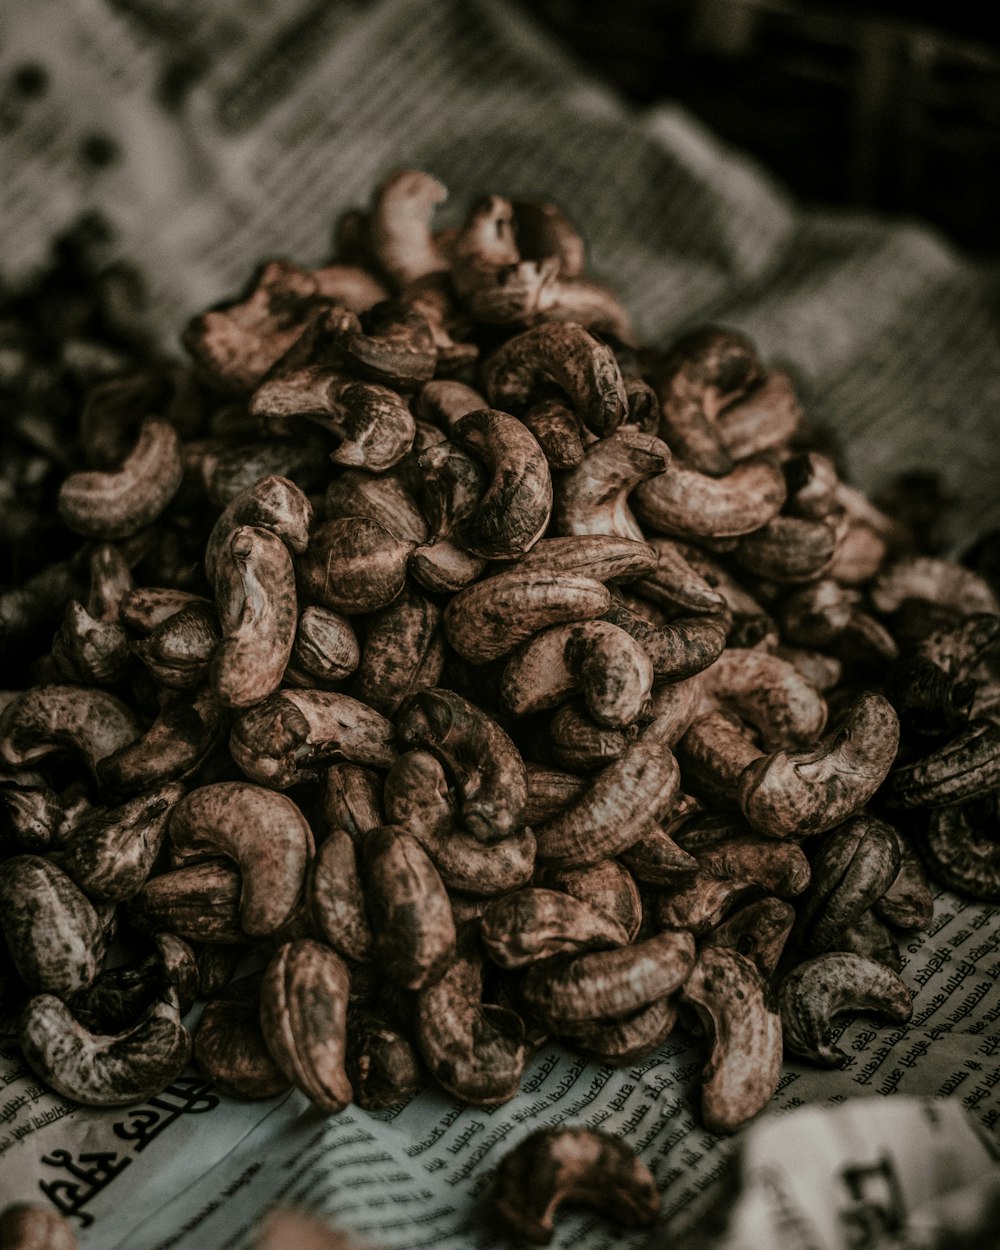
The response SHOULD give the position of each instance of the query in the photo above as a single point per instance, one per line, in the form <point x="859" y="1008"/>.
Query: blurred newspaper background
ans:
<point x="206" y="137"/>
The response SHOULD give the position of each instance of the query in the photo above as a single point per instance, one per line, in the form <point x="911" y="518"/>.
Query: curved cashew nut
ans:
<point x="353" y="565"/>
<point x="300" y="458"/>
<point x="789" y="548"/>
<point x="765" y="418"/>
<point x="967" y="767"/>
<point x="678" y="649"/>
<point x="392" y="344"/>
<point x="303" y="1015"/>
<point x="821" y="988"/>
<point x="634" y="1037"/>
<point x="779" y="866"/>
<point x="404" y="651"/>
<point x="184" y="732"/>
<point x="963" y="851"/>
<point x="100" y="1071"/>
<point x="271" y="503"/>
<point x="701" y="902"/>
<point x="382" y="1065"/>
<point x="656" y="858"/>
<point x="179" y="651"/>
<point x="256" y="601"/>
<point x="730" y="996"/>
<point x="111" y="852"/>
<point x="199" y="903"/>
<point x="581" y="745"/>
<point x="116" y="504"/>
<point x="229" y="1044"/>
<point x="553" y="1166"/>
<point x="385" y="499"/>
<point x="692" y="505"/>
<point x="489" y="619"/>
<point x="336" y="898"/>
<point x="559" y="432"/>
<point x="791" y="794"/>
<point x="758" y="930"/>
<point x="528" y="925"/>
<point x="908" y="903"/>
<point x="90" y="651"/>
<point x="604" y="661"/>
<point x="401" y="235"/>
<point x="607" y="885"/>
<point x="937" y="580"/>
<point x="616" y="809"/>
<point x="351" y="799"/>
<point x="145" y="607"/>
<point x="281" y="739"/>
<point x="676" y="584"/>
<point x="569" y="989"/>
<point x="45" y="719"/>
<point x="769" y="693"/>
<point x="486" y="767"/>
<point x="412" y="925"/>
<point x="603" y="557"/>
<point x="566" y="355"/>
<point x="514" y="510"/>
<point x="476" y="1052"/>
<point x="53" y="933"/>
<point x="700" y="375"/>
<point x="239" y="342"/>
<point x="853" y="868"/>
<point x="593" y="497"/>
<point x="264" y="833"/>
<point x="325" y="648"/>
<point x="549" y="791"/>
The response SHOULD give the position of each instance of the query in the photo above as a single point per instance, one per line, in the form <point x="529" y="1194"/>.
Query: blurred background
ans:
<point x="892" y="105"/>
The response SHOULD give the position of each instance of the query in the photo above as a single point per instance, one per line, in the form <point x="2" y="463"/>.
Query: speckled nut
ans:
<point x="401" y="235"/>
<point x="634" y="1037"/>
<point x="335" y="897"/>
<point x="110" y="853"/>
<point x="770" y="694"/>
<point x="528" y="925"/>
<point x="607" y="885"/>
<point x="962" y="849"/>
<point x="184" y="732"/>
<point x="758" y="930"/>
<point x="795" y="793"/>
<point x="553" y="1166"/>
<point x="617" y="808"/>
<point x="90" y="651"/>
<point x="475" y="1051"/>
<point x="145" y="607"/>
<point x="967" y="767"/>
<point x="657" y="859"/>
<point x="704" y="372"/>
<point x="692" y="505"/>
<point x="102" y="1071"/>
<point x="596" y="657"/>
<point x="478" y="756"/>
<point x="179" y="651"/>
<point x="381" y="1063"/>
<point x="46" y="719"/>
<point x="200" y="903"/>
<point x="764" y="419"/>
<point x="52" y="930"/>
<point x="603" y="557"/>
<point x="578" y="743"/>
<point x="824" y="987"/>
<point x="353" y="565"/>
<point x="303" y="1015"/>
<point x="325" y="649"/>
<point x="593" y="497"/>
<point x="285" y="737"/>
<point x="936" y="580"/>
<point x="264" y="833"/>
<point x="256" y="599"/>
<point x="352" y="799"/>
<point x="392" y="344"/>
<point x="404" y="651"/>
<point x="789" y="549"/>
<point x="412" y="924"/>
<point x="271" y="503"/>
<point x="567" y="356"/>
<point x="514" y="509"/>
<point x="489" y="619"/>
<point x="31" y="1226"/>
<point x="700" y="902"/>
<point x="559" y="432"/>
<point x="239" y="342"/>
<point x="678" y="648"/>
<point x="676" y="585"/>
<point x="908" y="903"/>
<point x="386" y="499"/>
<point x="229" y="1045"/>
<point x="607" y="984"/>
<point x="730" y="996"/>
<point x="779" y="866"/>
<point x="111" y="505"/>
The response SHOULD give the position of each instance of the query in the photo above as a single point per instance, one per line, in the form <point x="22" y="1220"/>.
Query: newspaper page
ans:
<point x="212" y="136"/>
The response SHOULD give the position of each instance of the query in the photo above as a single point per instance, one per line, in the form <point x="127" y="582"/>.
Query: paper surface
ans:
<point x="238" y="139"/>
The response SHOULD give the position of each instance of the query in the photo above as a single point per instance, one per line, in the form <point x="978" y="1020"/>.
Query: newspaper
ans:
<point x="212" y="135"/>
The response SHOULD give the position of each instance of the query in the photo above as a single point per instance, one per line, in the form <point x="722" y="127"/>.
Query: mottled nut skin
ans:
<point x="53" y="933"/>
<point x="229" y="1044"/>
<point x="353" y="565"/>
<point x="303" y="1015"/>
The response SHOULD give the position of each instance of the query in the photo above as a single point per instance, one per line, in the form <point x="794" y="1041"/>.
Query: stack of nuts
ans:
<point x="493" y="678"/>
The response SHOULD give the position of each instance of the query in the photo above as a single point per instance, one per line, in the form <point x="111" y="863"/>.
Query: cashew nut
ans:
<point x="593" y="497"/>
<point x="46" y="719"/>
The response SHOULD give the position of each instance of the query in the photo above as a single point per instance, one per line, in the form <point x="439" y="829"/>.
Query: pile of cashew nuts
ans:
<point x="479" y="676"/>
